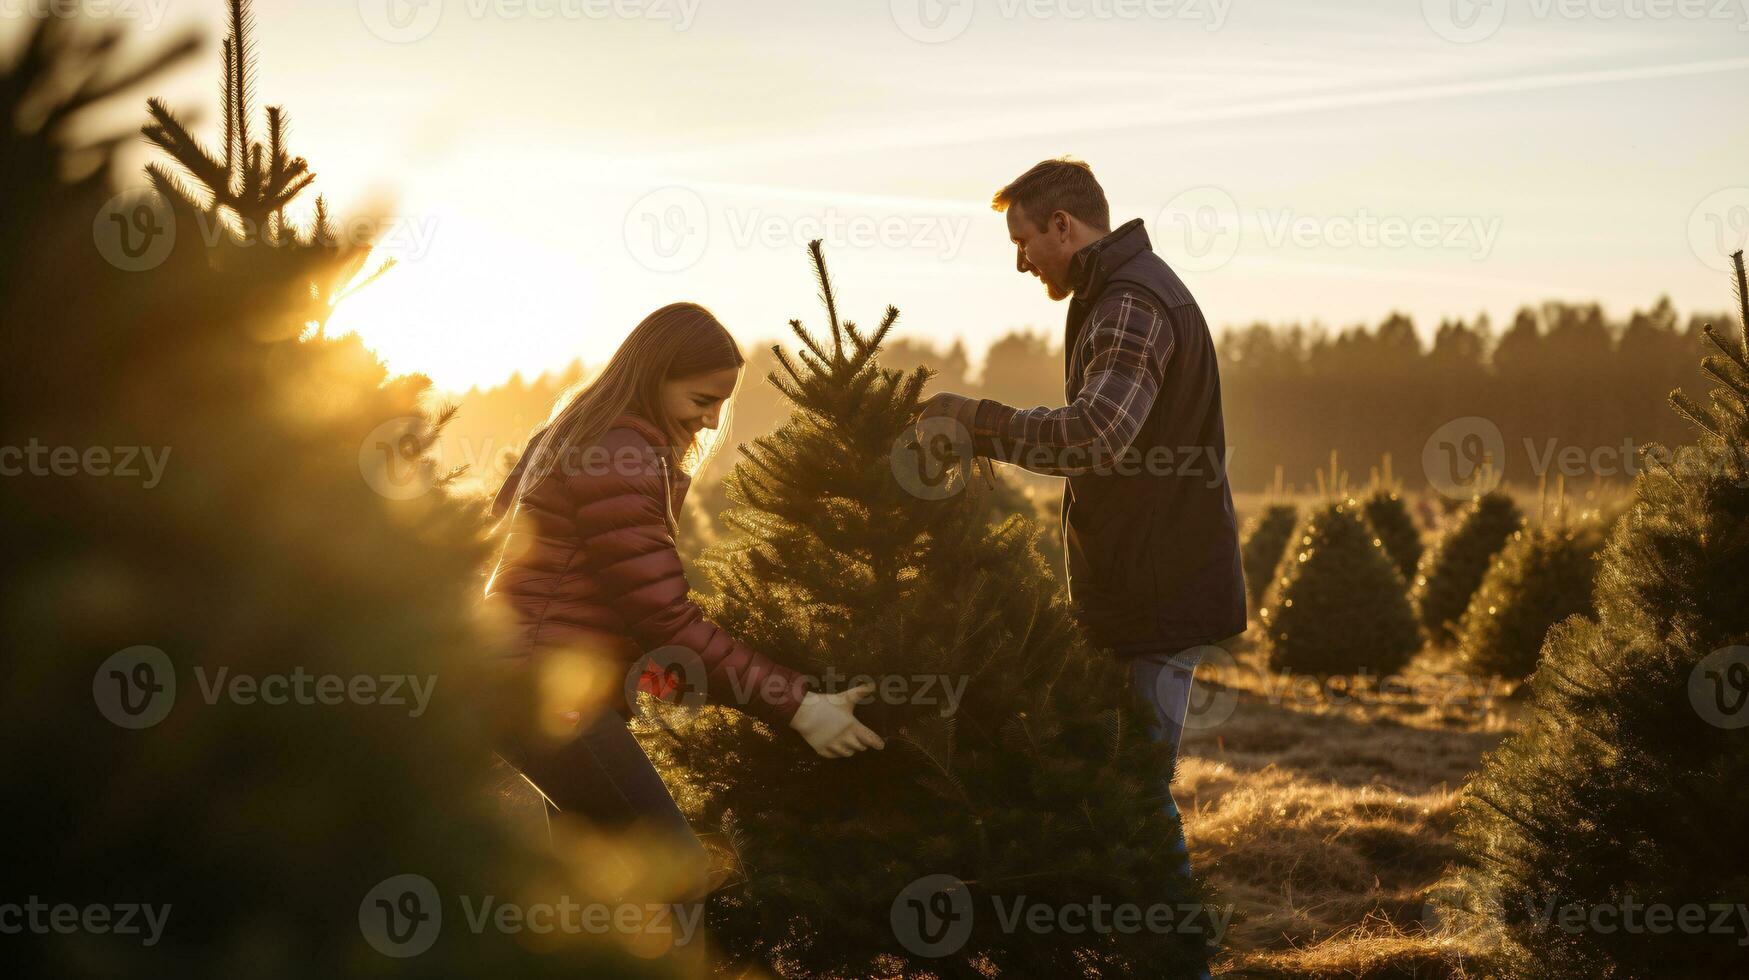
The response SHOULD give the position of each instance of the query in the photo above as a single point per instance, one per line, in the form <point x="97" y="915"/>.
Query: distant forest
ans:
<point x="1561" y="377"/>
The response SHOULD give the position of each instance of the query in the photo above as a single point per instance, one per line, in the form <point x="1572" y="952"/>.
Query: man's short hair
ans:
<point x="1057" y="185"/>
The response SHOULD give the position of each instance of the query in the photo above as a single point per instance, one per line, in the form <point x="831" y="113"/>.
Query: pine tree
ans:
<point x="259" y="549"/>
<point x="1542" y="576"/>
<point x="238" y="206"/>
<point x="1450" y="574"/>
<point x="1265" y="540"/>
<point x="1339" y="607"/>
<point x="1624" y="787"/>
<point x="1389" y="519"/>
<point x="1036" y="780"/>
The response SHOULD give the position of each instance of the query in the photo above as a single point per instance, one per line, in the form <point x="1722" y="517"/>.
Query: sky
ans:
<point x="549" y="171"/>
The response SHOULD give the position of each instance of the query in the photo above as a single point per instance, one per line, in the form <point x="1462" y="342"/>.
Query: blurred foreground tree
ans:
<point x="238" y="605"/>
<point x="1608" y="837"/>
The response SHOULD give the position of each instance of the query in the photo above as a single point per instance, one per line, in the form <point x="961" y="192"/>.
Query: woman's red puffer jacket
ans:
<point x="589" y="564"/>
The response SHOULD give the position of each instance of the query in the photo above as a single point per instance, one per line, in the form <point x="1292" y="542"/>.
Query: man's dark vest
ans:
<point x="1153" y="546"/>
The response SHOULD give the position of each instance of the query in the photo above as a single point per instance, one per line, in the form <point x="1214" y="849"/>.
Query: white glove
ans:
<point x="828" y="722"/>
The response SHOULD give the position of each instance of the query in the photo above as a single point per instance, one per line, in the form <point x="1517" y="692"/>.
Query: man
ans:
<point x="1148" y="525"/>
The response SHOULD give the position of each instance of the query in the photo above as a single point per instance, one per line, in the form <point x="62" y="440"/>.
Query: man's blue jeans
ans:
<point x="1163" y="680"/>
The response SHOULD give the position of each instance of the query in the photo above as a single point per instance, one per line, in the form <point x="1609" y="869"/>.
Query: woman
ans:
<point x="589" y="564"/>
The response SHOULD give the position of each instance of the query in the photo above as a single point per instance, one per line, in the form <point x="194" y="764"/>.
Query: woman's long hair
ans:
<point x="681" y="340"/>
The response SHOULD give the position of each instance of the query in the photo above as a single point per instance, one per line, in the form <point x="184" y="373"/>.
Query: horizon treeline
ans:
<point x="1571" y="390"/>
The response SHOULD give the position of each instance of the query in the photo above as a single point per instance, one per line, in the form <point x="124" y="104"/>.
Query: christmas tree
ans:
<point x="1265" y="540"/>
<point x="1542" y="576"/>
<point x="1608" y="836"/>
<point x="1340" y="607"/>
<point x="1389" y="519"/>
<point x="1450" y="574"/>
<point x="238" y="686"/>
<point x="1016" y="773"/>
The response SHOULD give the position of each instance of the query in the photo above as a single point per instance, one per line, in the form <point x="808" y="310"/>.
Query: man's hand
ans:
<point x="828" y="722"/>
<point x="946" y="404"/>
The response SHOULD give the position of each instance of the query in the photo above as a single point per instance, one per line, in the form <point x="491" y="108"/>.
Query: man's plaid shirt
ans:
<point x="1125" y="347"/>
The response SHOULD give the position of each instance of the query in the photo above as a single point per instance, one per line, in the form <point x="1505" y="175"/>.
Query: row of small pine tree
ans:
<point x="1348" y="587"/>
<point x="1607" y="837"/>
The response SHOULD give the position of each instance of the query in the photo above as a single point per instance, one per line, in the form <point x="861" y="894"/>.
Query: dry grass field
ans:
<point x="1322" y="813"/>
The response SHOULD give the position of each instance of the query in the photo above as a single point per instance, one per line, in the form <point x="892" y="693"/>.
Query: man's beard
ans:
<point x="1055" y="292"/>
